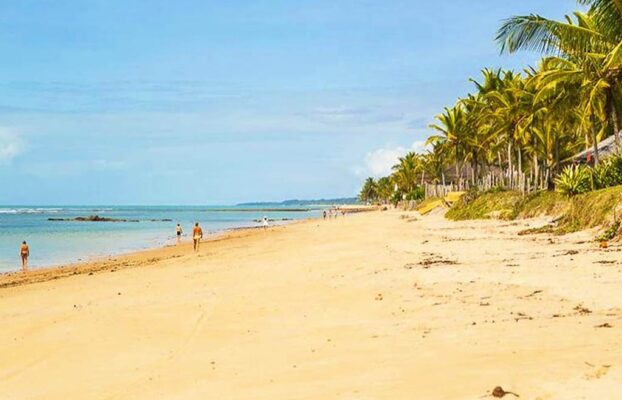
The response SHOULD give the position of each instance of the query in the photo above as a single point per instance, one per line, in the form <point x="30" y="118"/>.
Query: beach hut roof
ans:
<point x="605" y="148"/>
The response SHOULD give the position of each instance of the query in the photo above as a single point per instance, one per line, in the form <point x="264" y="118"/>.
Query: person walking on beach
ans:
<point x="265" y="223"/>
<point x="324" y="214"/>
<point x="24" y="252"/>
<point x="179" y="231"/>
<point x="197" y="235"/>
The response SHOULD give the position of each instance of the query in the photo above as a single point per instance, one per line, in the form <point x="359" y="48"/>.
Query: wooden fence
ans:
<point x="519" y="181"/>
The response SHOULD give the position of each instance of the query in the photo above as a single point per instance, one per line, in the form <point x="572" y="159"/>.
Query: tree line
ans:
<point x="518" y="127"/>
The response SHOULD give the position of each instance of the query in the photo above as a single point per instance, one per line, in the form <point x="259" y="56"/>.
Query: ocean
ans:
<point x="55" y="238"/>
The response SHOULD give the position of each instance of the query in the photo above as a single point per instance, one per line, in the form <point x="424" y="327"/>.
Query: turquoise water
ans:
<point x="59" y="242"/>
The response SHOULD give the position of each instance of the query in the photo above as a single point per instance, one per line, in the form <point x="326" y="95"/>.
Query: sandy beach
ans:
<point x="378" y="305"/>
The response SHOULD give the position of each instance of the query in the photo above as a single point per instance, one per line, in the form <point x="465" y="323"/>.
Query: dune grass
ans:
<point x="497" y="204"/>
<point x="600" y="208"/>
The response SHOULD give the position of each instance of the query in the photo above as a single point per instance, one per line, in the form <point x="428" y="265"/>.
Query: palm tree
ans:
<point x="588" y="53"/>
<point x="384" y="188"/>
<point x="406" y="171"/>
<point x="452" y="141"/>
<point x="369" y="191"/>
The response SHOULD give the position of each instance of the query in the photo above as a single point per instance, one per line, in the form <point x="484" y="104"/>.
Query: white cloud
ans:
<point x="379" y="162"/>
<point x="11" y="145"/>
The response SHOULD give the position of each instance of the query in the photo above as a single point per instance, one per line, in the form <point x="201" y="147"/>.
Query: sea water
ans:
<point x="61" y="241"/>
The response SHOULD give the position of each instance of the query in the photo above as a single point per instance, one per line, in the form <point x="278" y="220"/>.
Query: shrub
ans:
<point x="573" y="180"/>
<point x="601" y="175"/>
<point x="611" y="232"/>
<point x="416" y="194"/>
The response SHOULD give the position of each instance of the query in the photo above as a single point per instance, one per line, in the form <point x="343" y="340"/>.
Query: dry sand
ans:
<point x="382" y="305"/>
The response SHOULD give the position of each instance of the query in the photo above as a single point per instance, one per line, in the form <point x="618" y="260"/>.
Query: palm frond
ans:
<point x="533" y="32"/>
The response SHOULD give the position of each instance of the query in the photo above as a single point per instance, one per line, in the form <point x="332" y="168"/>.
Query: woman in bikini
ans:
<point x="197" y="235"/>
<point x="24" y="252"/>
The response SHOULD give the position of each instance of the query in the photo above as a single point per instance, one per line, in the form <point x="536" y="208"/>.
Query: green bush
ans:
<point x="574" y="180"/>
<point x="417" y="194"/>
<point x="610" y="232"/>
<point x="608" y="173"/>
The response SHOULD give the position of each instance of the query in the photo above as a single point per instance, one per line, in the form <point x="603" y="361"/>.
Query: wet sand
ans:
<point x="379" y="305"/>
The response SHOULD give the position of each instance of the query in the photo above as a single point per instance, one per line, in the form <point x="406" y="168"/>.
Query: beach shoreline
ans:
<point x="133" y="258"/>
<point x="380" y="305"/>
<point x="115" y="259"/>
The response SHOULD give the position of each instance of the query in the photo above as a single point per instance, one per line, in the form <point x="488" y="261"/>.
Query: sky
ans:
<point x="220" y="102"/>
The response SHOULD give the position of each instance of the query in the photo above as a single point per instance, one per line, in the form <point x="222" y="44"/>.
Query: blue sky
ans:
<point x="214" y="102"/>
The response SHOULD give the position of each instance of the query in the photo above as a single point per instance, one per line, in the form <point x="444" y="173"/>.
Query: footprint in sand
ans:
<point x="597" y="372"/>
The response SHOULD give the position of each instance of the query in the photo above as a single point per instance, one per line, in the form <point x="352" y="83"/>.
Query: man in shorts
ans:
<point x="179" y="231"/>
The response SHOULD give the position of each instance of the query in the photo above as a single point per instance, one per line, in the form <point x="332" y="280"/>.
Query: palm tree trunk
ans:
<point x="472" y="175"/>
<point x="511" y="171"/>
<point x="557" y="155"/>
<point x="595" y="145"/>
<point x="536" y="167"/>
<point x="499" y="164"/>
<point x="615" y="122"/>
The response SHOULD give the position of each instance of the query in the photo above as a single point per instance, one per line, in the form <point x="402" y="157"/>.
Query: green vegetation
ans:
<point x="599" y="208"/>
<point x="610" y="232"/>
<point x="403" y="184"/>
<point x="541" y="203"/>
<point x="574" y="180"/>
<point x="519" y="128"/>
<point x="487" y="205"/>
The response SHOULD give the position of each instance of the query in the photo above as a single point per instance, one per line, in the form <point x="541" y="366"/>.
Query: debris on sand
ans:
<point x="434" y="259"/>
<point x="535" y="292"/>
<point x="379" y="297"/>
<point x="539" y="230"/>
<point x="605" y="325"/>
<point x="582" y="310"/>
<point x="498" y="392"/>
<point x="521" y="316"/>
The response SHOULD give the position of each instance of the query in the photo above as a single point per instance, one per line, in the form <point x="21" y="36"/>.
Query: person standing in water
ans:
<point x="197" y="235"/>
<point x="179" y="231"/>
<point x="24" y="252"/>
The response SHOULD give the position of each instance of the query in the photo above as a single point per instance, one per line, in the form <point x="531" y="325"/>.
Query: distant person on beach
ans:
<point x="265" y="223"/>
<point x="197" y="235"/>
<point x="324" y="214"/>
<point x="24" y="252"/>
<point x="179" y="231"/>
